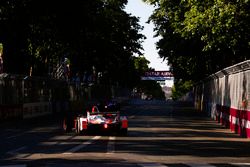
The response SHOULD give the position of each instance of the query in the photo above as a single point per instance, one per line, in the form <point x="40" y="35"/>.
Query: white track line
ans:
<point x="16" y="135"/>
<point x="84" y="144"/>
<point x="111" y="145"/>
<point x="241" y="164"/>
<point x="15" y="151"/>
<point x="131" y="117"/>
<point x="199" y="165"/>
<point x="14" y="166"/>
<point x="151" y="165"/>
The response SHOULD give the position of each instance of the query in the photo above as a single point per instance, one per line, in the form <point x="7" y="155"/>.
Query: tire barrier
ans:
<point x="225" y="96"/>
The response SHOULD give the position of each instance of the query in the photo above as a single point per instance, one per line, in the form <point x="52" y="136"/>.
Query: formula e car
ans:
<point x="101" y="117"/>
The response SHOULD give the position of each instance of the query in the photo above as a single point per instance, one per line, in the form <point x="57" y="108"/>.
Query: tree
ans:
<point x="201" y="37"/>
<point x="150" y="88"/>
<point x="41" y="33"/>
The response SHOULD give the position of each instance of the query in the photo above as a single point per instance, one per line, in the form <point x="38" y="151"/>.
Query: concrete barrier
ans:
<point x="10" y="112"/>
<point x="31" y="110"/>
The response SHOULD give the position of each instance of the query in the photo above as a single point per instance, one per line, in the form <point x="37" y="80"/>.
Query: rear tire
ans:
<point x="68" y="123"/>
<point x="124" y="132"/>
<point x="77" y="128"/>
<point x="64" y="126"/>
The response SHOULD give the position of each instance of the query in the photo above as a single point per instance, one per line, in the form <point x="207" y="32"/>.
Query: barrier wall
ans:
<point x="225" y="96"/>
<point x="31" y="110"/>
<point x="23" y="97"/>
<point x="13" y="112"/>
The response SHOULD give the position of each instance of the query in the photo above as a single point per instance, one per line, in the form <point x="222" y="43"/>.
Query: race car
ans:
<point x="102" y="117"/>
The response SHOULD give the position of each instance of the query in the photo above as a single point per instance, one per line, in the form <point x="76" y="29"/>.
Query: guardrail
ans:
<point x="225" y="96"/>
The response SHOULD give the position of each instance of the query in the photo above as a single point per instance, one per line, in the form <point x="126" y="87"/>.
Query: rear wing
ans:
<point x="95" y="110"/>
<point x="103" y="113"/>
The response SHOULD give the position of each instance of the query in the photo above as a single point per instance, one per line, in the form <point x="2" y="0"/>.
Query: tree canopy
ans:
<point x="199" y="38"/>
<point x="41" y="33"/>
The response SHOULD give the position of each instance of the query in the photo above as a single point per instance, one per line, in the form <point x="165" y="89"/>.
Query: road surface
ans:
<point x="160" y="134"/>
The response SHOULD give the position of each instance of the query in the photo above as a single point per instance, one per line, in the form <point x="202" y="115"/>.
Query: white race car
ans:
<point x="101" y="118"/>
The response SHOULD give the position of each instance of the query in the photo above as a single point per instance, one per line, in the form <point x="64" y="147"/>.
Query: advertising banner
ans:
<point x="157" y="75"/>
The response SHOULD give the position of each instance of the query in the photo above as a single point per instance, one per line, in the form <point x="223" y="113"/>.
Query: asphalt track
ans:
<point x="160" y="134"/>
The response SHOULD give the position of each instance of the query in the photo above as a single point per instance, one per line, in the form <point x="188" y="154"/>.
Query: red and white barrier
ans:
<point x="225" y="95"/>
<point x="237" y="120"/>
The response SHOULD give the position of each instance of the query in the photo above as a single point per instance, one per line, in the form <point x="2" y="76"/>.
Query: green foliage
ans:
<point x="152" y="88"/>
<point x="141" y="65"/>
<point x="40" y="33"/>
<point x="1" y="49"/>
<point x="201" y="37"/>
<point x="148" y="87"/>
<point x="180" y="88"/>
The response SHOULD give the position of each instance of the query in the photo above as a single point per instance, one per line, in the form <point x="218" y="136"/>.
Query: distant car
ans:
<point x="101" y="117"/>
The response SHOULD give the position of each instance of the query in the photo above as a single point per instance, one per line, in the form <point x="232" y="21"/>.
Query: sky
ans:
<point x="142" y="10"/>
